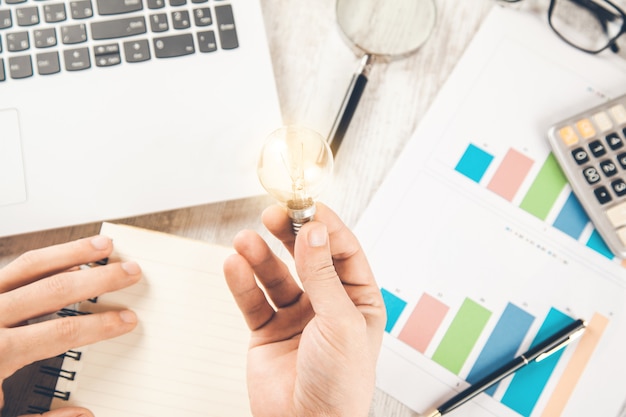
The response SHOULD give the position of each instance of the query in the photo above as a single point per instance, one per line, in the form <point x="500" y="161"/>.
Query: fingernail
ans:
<point x="128" y="316"/>
<point x="100" y="242"/>
<point x="318" y="236"/>
<point x="132" y="268"/>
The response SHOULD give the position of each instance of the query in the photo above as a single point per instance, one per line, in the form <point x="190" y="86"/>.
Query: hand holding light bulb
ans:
<point x="295" y="166"/>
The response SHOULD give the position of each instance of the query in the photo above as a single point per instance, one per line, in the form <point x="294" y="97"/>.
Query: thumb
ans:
<point x="315" y="268"/>
<point x="64" y="412"/>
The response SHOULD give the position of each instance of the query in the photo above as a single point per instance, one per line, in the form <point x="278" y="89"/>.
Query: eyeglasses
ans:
<point x="589" y="25"/>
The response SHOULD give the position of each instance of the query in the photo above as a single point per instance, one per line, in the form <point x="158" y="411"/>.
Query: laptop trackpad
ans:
<point x="12" y="184"/>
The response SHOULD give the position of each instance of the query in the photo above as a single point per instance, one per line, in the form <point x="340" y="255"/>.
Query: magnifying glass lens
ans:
<point x="388" y="28"/>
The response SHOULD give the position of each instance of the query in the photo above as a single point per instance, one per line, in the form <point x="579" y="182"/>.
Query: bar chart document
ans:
<point x="479" y="246"/>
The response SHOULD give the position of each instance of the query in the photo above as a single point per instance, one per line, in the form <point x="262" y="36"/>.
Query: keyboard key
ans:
<point x="15" y="1"/>
<point x="591" y="175"/>
<point x="27" y="16"/>
<point x="202" y="17"/>
<point x="180" y="19"/>
<point x="597" y="148"/>
<point x="76" y="59"/>
<point x="226" y="27"/>
<point x="45" y="38"/>
<point x="2" y="74"/>
<point x="602" y="194"/>
<point x="107" y="55"/>
<point x="120" y="28"/>
<point x="608" y="167"/>
<point x="54" y="12"/>
<point x="173" y="46"/>
<point x="20" y="67"/>
<point x="137" y="51"/>
<point x="206" y="41"/>
<point x="17" y="41"/>
<point x="81" y="9"/>
<point x="178" y="2"/>
<point x="109" y="7"/>
<point x="619" y="187"/>
<point x="74" y="34"/>
<point x="158" y="22"/>
<point x="5" y="19"/>
<point x="156" y="4"/>
<point x="580" y="155"/>
<point x="199" y="1"/>
<point x="614" y="141"/>
<point x="617" y="215"/>
<point x="48" y="63"/>
<point x="621" y="158"/>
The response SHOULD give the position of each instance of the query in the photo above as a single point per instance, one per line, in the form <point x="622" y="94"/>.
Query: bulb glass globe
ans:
<point x="295" y="166"/>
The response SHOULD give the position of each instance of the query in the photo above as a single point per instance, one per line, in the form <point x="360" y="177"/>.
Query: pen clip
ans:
<point x="561" y="345"/>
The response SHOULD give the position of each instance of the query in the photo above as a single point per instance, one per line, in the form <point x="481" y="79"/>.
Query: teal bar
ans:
<point x="528" y="383"/>
<point x="394" y="305"/>
<point x="596" y="243"/>
<point x="474" y="163"/>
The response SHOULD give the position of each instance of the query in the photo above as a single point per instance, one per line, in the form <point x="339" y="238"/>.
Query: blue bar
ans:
<point x="394" y="306"/>
<point x="572" y="219"/>
<point x="528" y="383"/>
<point x="596" y="243"/>
<point x="503" y="343"/>
<point x="474" y="163"/>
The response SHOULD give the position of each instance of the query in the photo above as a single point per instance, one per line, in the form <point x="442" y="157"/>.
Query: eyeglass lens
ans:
<point x="590" y="25"/>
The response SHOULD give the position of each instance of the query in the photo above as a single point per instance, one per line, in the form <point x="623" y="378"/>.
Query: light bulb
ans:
<point x="295" y="166"/>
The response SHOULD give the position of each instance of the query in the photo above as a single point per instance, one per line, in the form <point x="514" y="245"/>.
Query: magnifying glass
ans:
<point x="382" y="30"/>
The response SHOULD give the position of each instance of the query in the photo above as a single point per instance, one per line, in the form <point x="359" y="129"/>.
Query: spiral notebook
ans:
<point x="187" y="357"/>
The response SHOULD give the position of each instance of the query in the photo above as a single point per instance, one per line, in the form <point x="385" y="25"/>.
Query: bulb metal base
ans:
<point x="300" y="215"/>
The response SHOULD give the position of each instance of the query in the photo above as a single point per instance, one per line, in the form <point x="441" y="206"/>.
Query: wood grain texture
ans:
<point x="313" y="65"/>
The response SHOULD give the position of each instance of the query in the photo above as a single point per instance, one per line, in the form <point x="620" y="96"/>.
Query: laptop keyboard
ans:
<point x="46" y="37"/>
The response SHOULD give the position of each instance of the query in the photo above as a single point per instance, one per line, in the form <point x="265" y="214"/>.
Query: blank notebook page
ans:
<point x="187" y="356"/>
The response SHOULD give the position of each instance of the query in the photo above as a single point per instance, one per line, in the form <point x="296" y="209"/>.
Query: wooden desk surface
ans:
<point x="313" y="66"/>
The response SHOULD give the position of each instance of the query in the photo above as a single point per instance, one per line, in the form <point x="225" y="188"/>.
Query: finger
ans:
<point x="64" y="412"/>
<point x="276" y="220"/>
<point x="249" y="297"/>
<point x="268" y="268"/>
<point x="319" y="277"/>
<point x="348" y="257"/>
<point x="38" y="263"/>
<point x="326" y="284"/>
<point x="53" y="293"/>
<point x="24" y="345"/>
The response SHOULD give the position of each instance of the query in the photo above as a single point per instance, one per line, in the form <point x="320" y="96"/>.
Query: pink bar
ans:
<point x="423" y="322"/>
<point x="510" y="174"/>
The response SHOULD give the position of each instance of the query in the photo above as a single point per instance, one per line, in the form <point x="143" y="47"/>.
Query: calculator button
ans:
<point x="602" y="121"/>
<point x="621" y="233"/>
<point x="614" y="141"/>
<point x="581" y="156"/>
<point x="585" y="128"/>
<point x="608" y="167"/>
<point x="597" y="148"/>
<point x="591" y="175"/>
<point x="619" y="114"/>
<point x="619" y="187"/>
<point x="568" y="136"/>
<point x="621" y="158"/>
<point x="602" y="194"/>
<point x="617" y="215"/>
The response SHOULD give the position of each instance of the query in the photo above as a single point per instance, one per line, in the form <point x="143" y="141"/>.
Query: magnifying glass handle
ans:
<point x="349" y="104"/>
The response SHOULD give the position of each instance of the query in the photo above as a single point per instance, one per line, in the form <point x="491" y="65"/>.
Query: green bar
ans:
<point x="545" y="189"/>
<point x="461" y="336"/>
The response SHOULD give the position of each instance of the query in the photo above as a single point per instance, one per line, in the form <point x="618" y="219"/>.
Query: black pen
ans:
<point x="538" y="353"/>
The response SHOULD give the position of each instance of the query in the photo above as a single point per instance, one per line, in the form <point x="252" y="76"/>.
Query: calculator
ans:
<point x="591" y="149"/>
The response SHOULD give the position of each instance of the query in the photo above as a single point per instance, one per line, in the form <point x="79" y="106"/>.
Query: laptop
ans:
<point x="117" y="108"/>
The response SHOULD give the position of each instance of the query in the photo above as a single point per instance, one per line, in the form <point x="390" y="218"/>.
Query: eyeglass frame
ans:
<point x="611" y="44"/>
